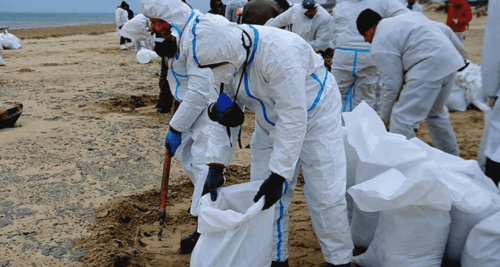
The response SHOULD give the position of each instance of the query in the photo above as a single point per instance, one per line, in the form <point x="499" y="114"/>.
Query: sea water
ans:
<point x="25" y="20"/>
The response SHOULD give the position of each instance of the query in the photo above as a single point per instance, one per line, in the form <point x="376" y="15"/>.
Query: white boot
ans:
<point x="123" y="47"/>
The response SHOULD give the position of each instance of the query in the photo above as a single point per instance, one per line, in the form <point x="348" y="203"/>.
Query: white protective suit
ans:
<point x="192" y="151"/>
<point x="121" y="17"/>
<point x="490" y="72"/>
<point x="353" y="66"/>
<point x="195" y="125"/>
<point x="231" y="8"/>
<point x="284" y="80"/>
<point x="298" y="124"/>
<point x="414" y="49"/>
<point x="316" y="31"/>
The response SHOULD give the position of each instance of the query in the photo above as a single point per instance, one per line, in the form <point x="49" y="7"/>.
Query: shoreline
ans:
<point x="60" y="31"/>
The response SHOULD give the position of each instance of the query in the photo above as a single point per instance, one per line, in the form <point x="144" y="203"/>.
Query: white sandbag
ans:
<point x="363" y="227"/>
<point x="2" y="63"/>
<point x="467" y="84"/>
<point x="464" y="178"/>
<point x="474" y="196"/>
<point x="376" y="151"/>
<point x="483" y="244"/>
<point x="414" y="220"/>
<point x="461" y="225"/>
<point x="10" y="41"/>
<point x="457" y="101"/>
<point x="352" y="161"/>
<point x="144" y="55"/>
<point x="409" y="236"/>
<point x="234" y="230"/>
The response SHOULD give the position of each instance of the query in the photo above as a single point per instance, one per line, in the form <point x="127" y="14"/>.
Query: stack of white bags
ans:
<point x="8" y="41"/>
<point x="414" y="205"/>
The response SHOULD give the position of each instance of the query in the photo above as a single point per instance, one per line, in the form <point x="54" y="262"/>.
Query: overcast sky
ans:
<point x="88" y="6"/>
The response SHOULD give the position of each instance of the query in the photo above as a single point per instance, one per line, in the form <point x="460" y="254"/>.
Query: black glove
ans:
<point x="214" y="180"/>
<point x="272" y="189"/>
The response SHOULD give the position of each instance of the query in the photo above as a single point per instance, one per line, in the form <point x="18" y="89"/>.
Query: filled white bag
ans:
<point x="414" y="220"/>
<point x="474" y="196"/>
<point x="483" y="244"/>
<point x="234" y="230"/>
<point x="2" y="63"/>
<point x="467" y="84"/>
<point x="352" y="160"/>
<point x="144" y="55"/>
<point x="363" y="227"/>
<point x="10" y="41"/>
<point x="457" y="101"/>
<point x="376" y="151"/>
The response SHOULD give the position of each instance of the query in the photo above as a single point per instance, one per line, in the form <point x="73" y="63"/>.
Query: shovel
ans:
<point x="164" y="187"/>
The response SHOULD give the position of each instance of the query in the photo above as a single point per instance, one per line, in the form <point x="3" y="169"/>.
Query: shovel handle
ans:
<point x="164" y="187"/>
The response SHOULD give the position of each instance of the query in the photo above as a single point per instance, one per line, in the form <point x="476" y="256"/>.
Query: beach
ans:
<point x="81" y="169"/>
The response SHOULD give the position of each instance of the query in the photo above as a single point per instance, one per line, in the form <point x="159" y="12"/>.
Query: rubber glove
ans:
<point x="173" y="140"/>
<point x="217" y="109"/>
<point x="214" y="180"/>
<point x="272" y="189"/>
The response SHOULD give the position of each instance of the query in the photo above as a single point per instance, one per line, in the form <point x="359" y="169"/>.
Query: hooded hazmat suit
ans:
<point x="316" y="31"/>
<point x="193" y="126"/>
<point x="414" y="49"/>
<point x="490" y="72"/>
<point x="231" y="9"/>
<point x="298" y="124"/>
<point x="121" y="17"/>
<point x="353" y="66"/>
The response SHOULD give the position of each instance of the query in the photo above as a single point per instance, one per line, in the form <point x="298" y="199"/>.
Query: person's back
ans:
<point x="345" y="33"/>
<point x="426" y="52"/>
<point x="259" y="11"/>
<point x="232" y="10"/>
<point x="353" y="66"/>
<point x="316" y="30"/>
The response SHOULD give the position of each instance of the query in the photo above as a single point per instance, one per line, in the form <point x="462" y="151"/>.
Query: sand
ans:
<point x="81" y="169"/>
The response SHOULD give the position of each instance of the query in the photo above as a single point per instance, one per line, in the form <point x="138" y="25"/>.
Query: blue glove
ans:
<point x="214" y="180"/>
<point x="272" y="189"/>
<point x="173" y="140"/>
<point x="226" y="112"/>
<point x="218" y="108"/>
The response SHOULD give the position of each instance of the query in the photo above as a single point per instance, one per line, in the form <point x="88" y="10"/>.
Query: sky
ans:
<point x="89" y="6"/>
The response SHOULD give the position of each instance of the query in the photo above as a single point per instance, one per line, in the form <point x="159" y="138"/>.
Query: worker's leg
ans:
<point x="438" y="120"/>
<point x="261" y="154"/>
<point x="323" y="162"/>
<point x="413" y="106"/>
<point x="365" y="86"/>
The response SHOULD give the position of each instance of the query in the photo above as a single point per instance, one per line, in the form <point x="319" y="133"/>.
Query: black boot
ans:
<point x="280" y="264"/>
<point x="493" y="170"/>
<point x="187" y="245"/>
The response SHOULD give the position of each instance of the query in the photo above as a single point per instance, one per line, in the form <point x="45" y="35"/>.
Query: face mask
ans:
<point x="224" y="74"/>
<point x="167" y="48"/>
